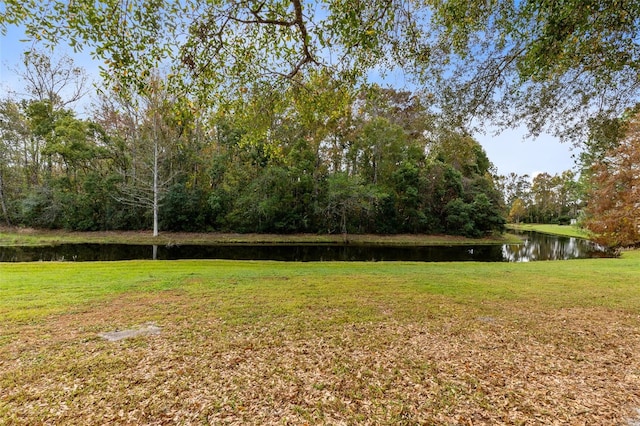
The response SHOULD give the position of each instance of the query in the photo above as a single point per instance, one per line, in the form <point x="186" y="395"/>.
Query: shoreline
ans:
<point x="38" y="237"/>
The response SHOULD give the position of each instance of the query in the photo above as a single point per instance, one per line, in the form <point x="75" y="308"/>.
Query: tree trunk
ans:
<point x="343" y="224"/>
<point x="155" y="187"/>
<point x="2" y="202"/>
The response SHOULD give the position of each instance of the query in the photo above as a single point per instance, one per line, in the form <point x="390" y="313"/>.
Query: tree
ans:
<point x="548" y="199"/>
<point x="613" y="209"/>
<point x="57" y="81"/>
<point x="551" y="64"/>
<point x="52" y="84"/>
<point x="380" y="145"/>
<point x="405" y="109"/>
<point x="568" y="198"/>
<point x="544" y="195"/>
<point x="347" y="197"/>
<point x="14" y="155"/>
<point x="517" y="211"/>
<point x="458" y="148"/>
<point x="248" y="41"/>
<point x="150" y="128"/>
<point x="45" y="157"/>
<point x="514" y="187"/>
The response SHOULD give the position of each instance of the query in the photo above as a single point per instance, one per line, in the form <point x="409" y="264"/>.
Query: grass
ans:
<point x="564" y="230"/>
<point x="321" y="343"/>
<point x="33" y="237"/>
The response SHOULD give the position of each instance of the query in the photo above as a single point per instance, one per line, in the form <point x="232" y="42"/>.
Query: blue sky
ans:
<point x="509" y="151"/>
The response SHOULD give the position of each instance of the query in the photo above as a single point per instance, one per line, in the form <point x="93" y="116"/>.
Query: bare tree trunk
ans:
<point x="155" y="182"/>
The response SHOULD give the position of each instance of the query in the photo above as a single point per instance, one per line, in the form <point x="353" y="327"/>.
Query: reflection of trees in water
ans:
<point x="548" y="247"/>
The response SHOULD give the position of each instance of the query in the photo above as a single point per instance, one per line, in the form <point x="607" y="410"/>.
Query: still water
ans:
<point x="535" y="246"/>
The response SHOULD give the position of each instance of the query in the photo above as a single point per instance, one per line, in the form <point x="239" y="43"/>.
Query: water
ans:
<point x="538" y="246"/>
<point x="534" y="247"/>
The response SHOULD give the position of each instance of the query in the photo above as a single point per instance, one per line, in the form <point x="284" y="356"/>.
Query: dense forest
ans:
<point x="312" y="159"/>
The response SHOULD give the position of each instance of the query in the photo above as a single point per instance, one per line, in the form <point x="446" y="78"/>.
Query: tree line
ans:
<point x="545" y="198"/>
<point x="312" y="158"/>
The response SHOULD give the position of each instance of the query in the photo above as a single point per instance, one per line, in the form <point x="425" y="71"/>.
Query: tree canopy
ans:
<point x="550" y="64"/>
<point x="553" y="65"/>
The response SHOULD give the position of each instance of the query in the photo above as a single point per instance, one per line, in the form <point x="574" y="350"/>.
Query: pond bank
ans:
<point x="39" y="237"/>
<point x="563" y="230"/>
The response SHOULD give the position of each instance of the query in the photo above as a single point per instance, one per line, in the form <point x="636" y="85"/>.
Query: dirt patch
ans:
<point x="143" y="330"/>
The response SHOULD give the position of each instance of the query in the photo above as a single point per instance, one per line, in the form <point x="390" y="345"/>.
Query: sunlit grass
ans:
<point x="564" y="230"/>
<point x="33" y="290"/>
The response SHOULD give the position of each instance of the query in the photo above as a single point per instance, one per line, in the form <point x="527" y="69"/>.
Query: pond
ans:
<point x="535" y="246"/>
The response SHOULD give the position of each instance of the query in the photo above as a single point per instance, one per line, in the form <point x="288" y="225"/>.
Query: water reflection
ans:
<point x="537" y="246"/>
<point x="534" y="247"/>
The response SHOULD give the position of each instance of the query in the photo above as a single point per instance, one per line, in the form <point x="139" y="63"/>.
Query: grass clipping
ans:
<point x="439" y="363"/>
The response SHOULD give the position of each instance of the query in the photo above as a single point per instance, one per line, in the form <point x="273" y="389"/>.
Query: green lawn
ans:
<point x="565" y="230"/>
<point x="321" y="343"/>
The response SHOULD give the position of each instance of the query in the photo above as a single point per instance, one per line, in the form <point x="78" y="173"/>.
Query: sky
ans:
<point x="511" y="152"/>
<point x="508" y="151"/>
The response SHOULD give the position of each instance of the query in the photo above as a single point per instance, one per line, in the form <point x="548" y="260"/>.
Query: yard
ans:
<point x="321" y="343"/>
